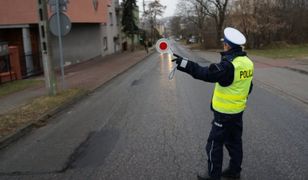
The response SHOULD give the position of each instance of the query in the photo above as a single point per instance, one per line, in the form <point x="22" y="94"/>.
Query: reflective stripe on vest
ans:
<point x="232" y="99"/>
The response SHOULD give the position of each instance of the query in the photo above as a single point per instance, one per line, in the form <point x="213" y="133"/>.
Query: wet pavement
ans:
<point x="141" y="125"/>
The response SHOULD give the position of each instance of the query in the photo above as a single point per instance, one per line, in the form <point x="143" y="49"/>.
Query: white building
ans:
<point x="110" y="31"/>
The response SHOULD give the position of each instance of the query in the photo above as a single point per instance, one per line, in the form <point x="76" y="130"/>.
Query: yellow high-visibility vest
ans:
<point x="232" y="99"/>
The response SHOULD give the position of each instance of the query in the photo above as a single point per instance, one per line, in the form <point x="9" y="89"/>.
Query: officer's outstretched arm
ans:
<point x="212" y="73"/>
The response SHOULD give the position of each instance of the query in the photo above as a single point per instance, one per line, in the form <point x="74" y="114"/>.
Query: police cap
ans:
<point x="233" y="37"/>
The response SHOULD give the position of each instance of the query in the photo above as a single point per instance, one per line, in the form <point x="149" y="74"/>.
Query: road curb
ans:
<point x="43" y="119"/>
<point x="297" y="70"/>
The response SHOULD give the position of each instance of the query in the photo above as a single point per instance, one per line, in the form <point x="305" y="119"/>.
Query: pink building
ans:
<point x="14" y="12"/>
<point x="18" y="27"/>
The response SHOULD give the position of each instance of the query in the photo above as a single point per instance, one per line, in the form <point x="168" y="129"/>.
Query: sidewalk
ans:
<point x="87" y="75"/>
<point x="297" y="65"/>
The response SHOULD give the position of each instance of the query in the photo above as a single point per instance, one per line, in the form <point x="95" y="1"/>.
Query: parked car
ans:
<point x="192" y="40"/>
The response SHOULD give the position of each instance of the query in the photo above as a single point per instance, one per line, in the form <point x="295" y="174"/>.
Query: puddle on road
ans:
<point x="136" y="82"/>
<point x="93" y="151"/>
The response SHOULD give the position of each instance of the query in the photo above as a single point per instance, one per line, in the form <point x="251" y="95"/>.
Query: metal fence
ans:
<point x="5" y="69"/>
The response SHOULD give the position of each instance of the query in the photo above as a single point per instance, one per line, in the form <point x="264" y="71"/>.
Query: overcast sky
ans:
<point x="171" y="5"/>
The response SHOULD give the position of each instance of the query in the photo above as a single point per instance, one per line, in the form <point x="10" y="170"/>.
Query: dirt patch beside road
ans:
<point x="17" y="118"/>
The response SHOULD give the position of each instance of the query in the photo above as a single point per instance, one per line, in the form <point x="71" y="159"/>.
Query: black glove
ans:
<point x="178" y="59"/>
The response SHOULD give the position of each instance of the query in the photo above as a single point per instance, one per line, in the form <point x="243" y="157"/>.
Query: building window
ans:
<point x="110" y="19"/>
<point x="105" y="43"/>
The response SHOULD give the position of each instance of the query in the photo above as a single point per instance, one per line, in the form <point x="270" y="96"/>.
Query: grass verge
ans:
<point x="19" y="85"/>
<point x="23" y="115"/>
<point x="291" y="51"/>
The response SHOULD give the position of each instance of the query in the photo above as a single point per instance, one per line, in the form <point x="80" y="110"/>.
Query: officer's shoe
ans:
<point x="206" y="177"/>
<point x="228" y="173"/>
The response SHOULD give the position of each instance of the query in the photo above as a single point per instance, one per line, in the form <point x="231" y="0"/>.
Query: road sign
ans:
<point x="65" y="24"/>
<point x="60" y="25"/>
<point x="163" y="46"/>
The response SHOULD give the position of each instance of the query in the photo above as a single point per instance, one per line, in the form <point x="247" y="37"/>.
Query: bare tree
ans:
<point x="155" y="9"/>
<point x="294" y="14"/>
<point x="262" y="21"/>
<point x="192" y="12"/>
<point x="217" y="10"/>
<point x="265" y="22"/>
<point x="175" y="25"/>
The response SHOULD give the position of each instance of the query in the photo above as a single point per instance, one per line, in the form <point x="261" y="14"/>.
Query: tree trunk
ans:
<point x="219" y="34"/>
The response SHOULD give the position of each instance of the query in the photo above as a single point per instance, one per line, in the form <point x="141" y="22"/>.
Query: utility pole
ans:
<point x="49" y="72"/>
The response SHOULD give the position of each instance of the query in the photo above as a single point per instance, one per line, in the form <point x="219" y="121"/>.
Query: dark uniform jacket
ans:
<point x="222" y="72"/>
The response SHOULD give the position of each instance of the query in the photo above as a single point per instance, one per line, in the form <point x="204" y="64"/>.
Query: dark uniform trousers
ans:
<point x="226" y="130"/>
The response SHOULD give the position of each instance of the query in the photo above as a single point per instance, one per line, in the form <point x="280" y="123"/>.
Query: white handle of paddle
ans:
<point x="172" y="73"/>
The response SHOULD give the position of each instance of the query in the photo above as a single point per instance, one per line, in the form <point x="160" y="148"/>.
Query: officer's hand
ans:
<point x="178" y="59"/>
<point x="181" y="62"/>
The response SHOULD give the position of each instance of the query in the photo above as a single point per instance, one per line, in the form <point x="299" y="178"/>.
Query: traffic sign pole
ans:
<point x="60" y="45"/>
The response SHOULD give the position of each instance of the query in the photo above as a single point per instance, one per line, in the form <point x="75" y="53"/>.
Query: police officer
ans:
<point x="233" y="77"/>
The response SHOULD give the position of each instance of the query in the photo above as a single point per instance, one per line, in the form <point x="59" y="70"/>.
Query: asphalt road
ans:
<point x="142" y="125"/>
